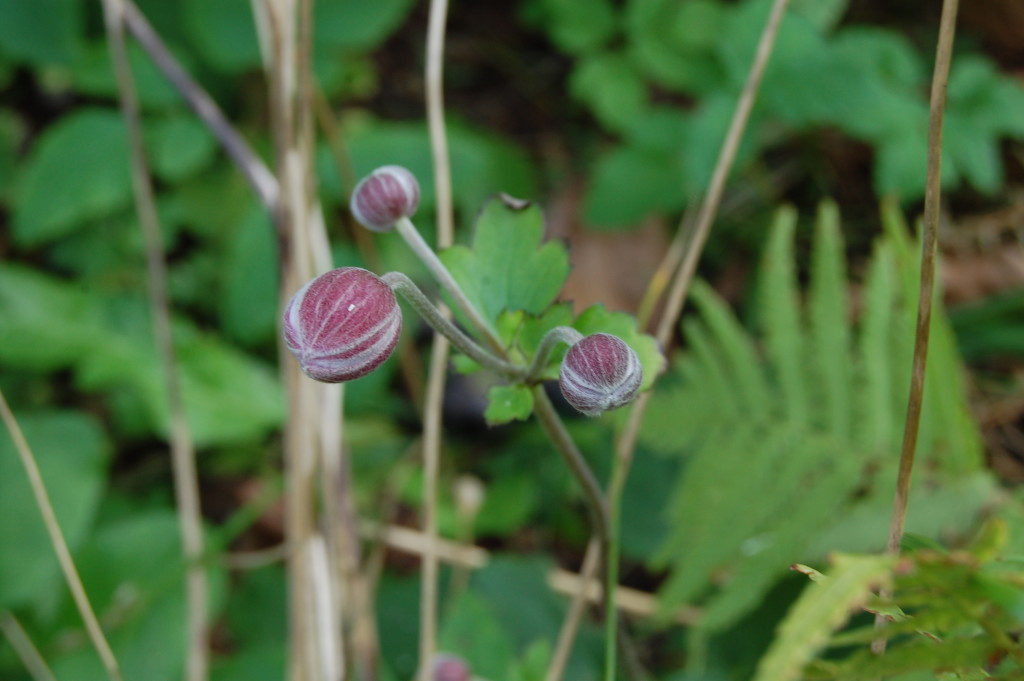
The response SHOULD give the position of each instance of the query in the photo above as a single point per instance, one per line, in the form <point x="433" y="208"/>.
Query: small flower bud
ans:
<point x="600" y="372"/>
<point x="450" y="668"/>
<point x="342" y="325"/>
<point x="385" y="196"/>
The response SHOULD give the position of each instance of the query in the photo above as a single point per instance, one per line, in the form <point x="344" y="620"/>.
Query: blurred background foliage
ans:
<point x="610" y="114"/>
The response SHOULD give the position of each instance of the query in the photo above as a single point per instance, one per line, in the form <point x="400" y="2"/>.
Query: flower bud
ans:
<point x="342" y="325"/>
<point x="450" y="668"/>
<point x="385" y="196"/>
<point x="600" y="372"/>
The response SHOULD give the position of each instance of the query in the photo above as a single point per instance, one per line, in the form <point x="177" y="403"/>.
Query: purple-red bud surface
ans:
<point x="385" y="196"/>
<point x="600" y="372"/>
<point x="450" y="668"/>
<point x="342" y="325"/>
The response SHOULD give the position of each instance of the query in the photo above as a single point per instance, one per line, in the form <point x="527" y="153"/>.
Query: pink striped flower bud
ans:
<point x="385" y="196"/>
<point x="450" y="668"/>
<point x="600" y="372"/>
<point x="342" y="325"/>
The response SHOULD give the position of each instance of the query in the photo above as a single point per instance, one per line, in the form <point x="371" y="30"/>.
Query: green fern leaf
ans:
<point x="823" y="607"/>
<point x="829" y="322"/>
<point x="781" y="316"/>
<point x="780" y="447"/>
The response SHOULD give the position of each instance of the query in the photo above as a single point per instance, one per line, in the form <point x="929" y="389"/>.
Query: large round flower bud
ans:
<point x="600" y="372"/>
<point x="342" y="325"/>
<point x="385" y="196"/>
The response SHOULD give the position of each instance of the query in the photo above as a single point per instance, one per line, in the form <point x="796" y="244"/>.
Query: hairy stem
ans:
<point x="183" y="460"/>
<point x="437" y="320"/>
<point x="933" y="192"/>
<point x="559" y="334"/>
<point x="60" y="546"/>
<point x="596" y="503"/>
<point x="447" y="281"/>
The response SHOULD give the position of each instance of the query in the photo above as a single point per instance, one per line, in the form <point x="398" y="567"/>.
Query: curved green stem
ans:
<point x="596" y="504"/>
<point x="559" y="334"/>
<point x="425" y="253"/>
<point x="404" y="285"/>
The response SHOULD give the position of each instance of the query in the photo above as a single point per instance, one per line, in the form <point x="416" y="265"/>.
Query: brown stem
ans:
<point x="933" y="191"/>
<point x="183" y="460"/>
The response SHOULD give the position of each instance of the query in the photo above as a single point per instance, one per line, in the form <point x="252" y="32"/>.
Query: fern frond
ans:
<point x="745" y="366"/>
<point x="780" y="446"/>
<point x="829" y="322"/>
<point x="878" y="407"/>
<point x="781" y="316"/>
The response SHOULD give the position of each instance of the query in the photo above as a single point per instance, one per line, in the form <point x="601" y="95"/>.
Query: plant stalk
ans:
<point x="238" y="150"/>
<point x="926" y="293"/>
<point x="626" y="442"/>
<point x="596" y="504"/>
<point x="183" y="460"/>
<point x="426" y="254"/>
<point x="559" y="334"/>
<point x="60" y="546"/>
<point x="440" y="323"/>
<point x="438" y="366"/>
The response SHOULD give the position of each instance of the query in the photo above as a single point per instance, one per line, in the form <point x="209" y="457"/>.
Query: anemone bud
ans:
<point x="342" y="325"/>
<point x="385" y="196"/>
<point x="600" y="372"/>
<point x="450" y="668"/>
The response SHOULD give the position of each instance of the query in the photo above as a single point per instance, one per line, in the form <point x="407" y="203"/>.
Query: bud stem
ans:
<point x="596" y="502"/>
<point x="425" y="253"/>
<point x="404" y="285"/>
<point x="559" y="334"/>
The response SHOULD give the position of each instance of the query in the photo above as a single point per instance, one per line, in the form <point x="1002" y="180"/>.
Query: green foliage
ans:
<point x="824" y="607"/>
<point x="507" y="268"/>
<point x="229" y="396"/>
<point x="71" y="450"/>
<point x="131" y="566"/>
<point x="867" y="82"/>
<point x="41" y="32"/>
<point x="86" y="155"/>
<point x="949" y="613"/>
<point x="513" y="278"/>
<point x="799" y="425"/>
<point x="508" y="403"/>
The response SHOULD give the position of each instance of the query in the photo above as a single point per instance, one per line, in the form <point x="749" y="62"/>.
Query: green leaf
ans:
<point x="654" y="178"/>
<point x="248" y="301"/>
<point x="229" y="396"/>
<point x="41" y="31"/>
<point x="86" y="155"/>
<point x="179" y="146"/>
<point x="507" y="403"/>
<point x="37" y="312"/>
<point x="355" y="24"/>
<point x="224" y="33"/>
<point x="781" y="317"/>
<point x="507" y="267"/>
<point x="610" y="85"/>
<point x="71" y="451"/>
<point x="674" y="42"/>
<point x="472" y="631"/>
<point x="92" y="74"/>
<point x="133" y="566"/>
<point x="598" y="319"/>
<point x="579" y="26"/>
<point x="828" y="313"/>
<point x="822" y="608"/>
